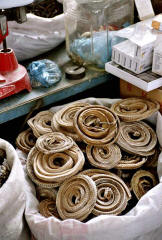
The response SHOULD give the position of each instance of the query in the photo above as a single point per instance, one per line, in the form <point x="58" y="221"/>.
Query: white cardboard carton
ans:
<point x="145" y="9"/>
<point x="157" y="57"/>
<point x="133" y="57"/>
<point x="147" y="81"/>
<point x="157" y="62"/>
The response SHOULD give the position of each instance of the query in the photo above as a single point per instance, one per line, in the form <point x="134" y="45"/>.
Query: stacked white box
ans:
<point x="137" y="58"/>
<point x="157" y="56"/>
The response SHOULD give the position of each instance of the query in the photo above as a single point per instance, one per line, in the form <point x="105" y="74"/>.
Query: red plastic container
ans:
<point x="13" y="76"/>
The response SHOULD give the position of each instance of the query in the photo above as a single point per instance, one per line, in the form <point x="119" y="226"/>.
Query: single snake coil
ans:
<point x="142" y="181"/>
<point x="26" y="140"/>
<point x="137" y="138"/>
<point x="135" y="109"/>
<point x="46" y="193"/>
<point x="95" y="171"/>
<point x="112" y="194"/>
<point x="63" y="119"/>
<point x="152" y="161"/>
<point x="129" y="161"/>
<point x="53" y="143"/>
<point x="47" y="208"/>
<point x="51" y="170"/>
<point x="97" y="125"/>
<point x="41" y="123"/>
<point x="76" y="198"/>
<point x="104" y="157"/>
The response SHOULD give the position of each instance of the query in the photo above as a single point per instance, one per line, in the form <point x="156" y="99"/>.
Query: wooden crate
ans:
<point x="129" y="90"/>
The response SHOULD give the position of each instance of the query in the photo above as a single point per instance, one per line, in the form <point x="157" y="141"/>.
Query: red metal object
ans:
<point x="13" y="76"/>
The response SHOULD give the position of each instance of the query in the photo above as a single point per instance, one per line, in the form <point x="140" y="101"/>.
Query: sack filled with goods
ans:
<point x="12" y="195"/>
<point x="94" y="164"/>
<point x="46" y="8"/>
<point x="43" y="31"/>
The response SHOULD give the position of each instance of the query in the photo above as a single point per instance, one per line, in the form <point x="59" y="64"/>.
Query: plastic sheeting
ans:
<point x="36" y="36"/>
<point x="101" y="53"/>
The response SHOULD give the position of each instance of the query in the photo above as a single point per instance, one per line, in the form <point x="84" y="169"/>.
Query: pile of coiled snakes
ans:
<point x="88" y="160"/>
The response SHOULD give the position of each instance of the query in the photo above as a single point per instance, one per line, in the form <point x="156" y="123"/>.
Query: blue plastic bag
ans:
<point x="100" y="55"/>
<point x="44" y="73"/>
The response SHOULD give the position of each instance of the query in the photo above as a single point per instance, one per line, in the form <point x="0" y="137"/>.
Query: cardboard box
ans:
<point x="157" y="56"/>
<point x="157" y="62"/>
<point x="133" y="57"/>
<point x="129" y="90"/>
<point x="145" y="9"/>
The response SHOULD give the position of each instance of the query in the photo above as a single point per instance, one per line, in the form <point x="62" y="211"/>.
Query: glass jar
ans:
<point x="91" y="26"/>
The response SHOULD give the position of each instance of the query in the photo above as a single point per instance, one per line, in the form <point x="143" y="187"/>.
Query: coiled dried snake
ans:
<point x="112" y="192"/>
<point x="26" y="140"/>
<point x="137" y="138"/>
<point x="129" y="161"/>
<point x="47" y="208"/>
<point x="51" y="170"/>
<point x="95" y="171"/>
<point x="46" y="193"/>
<point x="76" y="197"/>
<point x="41" y="123"/>
<point x="135" y="109"/>
<point x="53" y="142"/>
<point x="63" y="119"/>
<point x="97" y="125"/>
<point x="142" y="181"/>
<point x="104" y="157"/>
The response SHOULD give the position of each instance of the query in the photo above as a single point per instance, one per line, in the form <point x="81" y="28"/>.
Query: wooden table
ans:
<point x="22" y="103"/>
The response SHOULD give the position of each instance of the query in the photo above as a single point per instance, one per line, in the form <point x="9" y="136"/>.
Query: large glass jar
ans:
<point x="91" y="27"/>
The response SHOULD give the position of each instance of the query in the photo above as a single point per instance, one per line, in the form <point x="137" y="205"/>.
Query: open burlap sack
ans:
<point x="12" y="198"/>
<point x="143" y="222"/>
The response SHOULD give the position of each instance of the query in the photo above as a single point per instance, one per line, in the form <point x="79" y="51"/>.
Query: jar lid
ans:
<point x="93" y="4"/>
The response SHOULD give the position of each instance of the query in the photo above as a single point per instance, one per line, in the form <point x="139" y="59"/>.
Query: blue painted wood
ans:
<point x="22" y="103"/>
